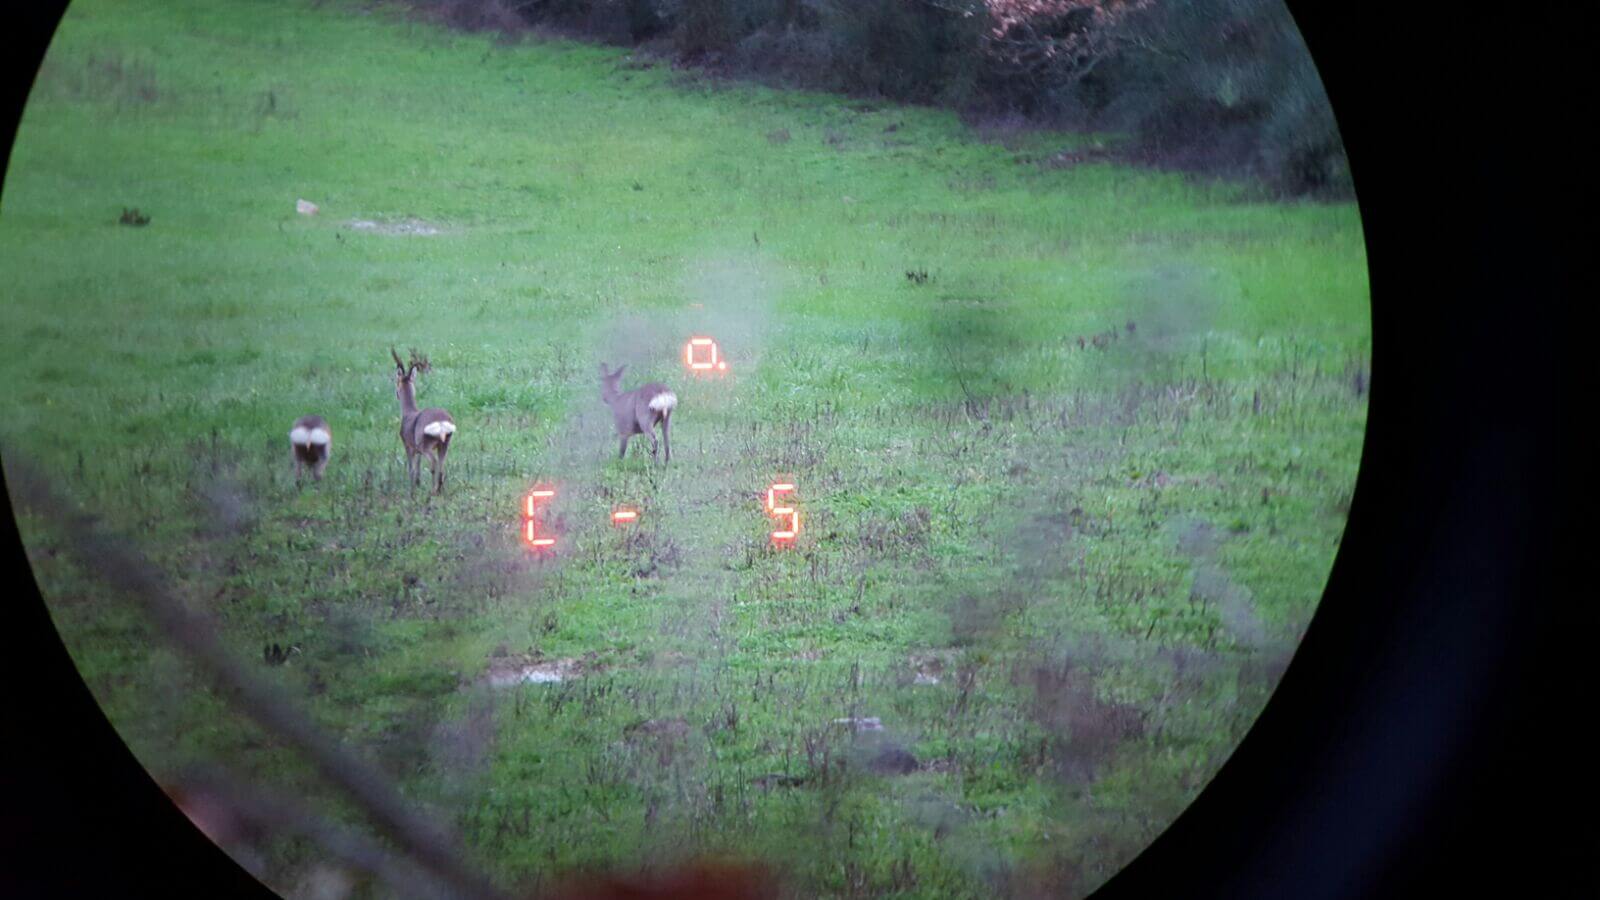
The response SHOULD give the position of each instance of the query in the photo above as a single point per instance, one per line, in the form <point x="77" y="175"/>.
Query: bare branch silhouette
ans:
<point x="120" y="565"/>
<point x="348" y="846"/>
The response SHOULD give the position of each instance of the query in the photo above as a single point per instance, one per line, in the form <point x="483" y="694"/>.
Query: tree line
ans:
<point x="1225" y="87"/>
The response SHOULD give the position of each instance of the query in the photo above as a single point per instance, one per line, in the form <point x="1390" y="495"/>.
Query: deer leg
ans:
<point x="321" y="464"/>
<point x="623" y="452"/>
<point x="434" y="464"/>
<point x="654" y="444"/>
<point x="666" y="436"/>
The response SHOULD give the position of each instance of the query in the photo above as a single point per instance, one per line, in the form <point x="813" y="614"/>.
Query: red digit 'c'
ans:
<point x="532" y="534"/>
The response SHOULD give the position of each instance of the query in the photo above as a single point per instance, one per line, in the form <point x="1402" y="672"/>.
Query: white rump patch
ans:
<point x="307" y="436"/>
<point x="664" y="401"/>
<point x="439" y="429"/>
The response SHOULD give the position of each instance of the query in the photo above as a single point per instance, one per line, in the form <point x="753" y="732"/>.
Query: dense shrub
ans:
<point x="1221" y="85"/>
<point x="704" y="27"/>
<point x="912" y="52"/>
<point x="1224" y="86"/>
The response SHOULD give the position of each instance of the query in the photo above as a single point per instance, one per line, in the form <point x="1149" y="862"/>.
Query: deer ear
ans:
<point x="604" y="371"/>
<point x="618" y="371"/>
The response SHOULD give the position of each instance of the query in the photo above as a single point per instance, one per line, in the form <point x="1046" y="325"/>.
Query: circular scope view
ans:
<point x="883" y="448"/>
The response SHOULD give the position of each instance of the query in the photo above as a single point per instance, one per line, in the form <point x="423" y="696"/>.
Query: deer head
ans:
<point x="404" y="374"/>
<point x="610" y="382"/>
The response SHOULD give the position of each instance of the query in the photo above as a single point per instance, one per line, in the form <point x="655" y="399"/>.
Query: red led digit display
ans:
<point x="624" y="515"/>
<point x="533" y="532"/>
<point x="783" y="509"/>
<point x="702" y="354"/>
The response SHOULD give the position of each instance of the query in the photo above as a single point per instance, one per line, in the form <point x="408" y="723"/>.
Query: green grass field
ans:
<point x="1064" y="574"/>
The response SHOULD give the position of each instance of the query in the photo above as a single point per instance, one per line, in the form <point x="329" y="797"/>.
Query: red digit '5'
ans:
<point x="787" y="514"/>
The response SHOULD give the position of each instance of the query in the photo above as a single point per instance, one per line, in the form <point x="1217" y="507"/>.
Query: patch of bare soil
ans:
<point x="928" y="667"/>
<point x="1076" y="157"/>
<point x="861" y="723"/>
<point x="407" y="226"/>
<point x="768" y="782"/>
<point x="512" y="670"/>
<point x="670" y="659"/>
<point x="658" y="729"/>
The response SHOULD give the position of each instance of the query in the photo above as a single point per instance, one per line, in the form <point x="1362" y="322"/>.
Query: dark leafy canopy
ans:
<point x="1219" y="86"/>
<point x="1222" y="85"/>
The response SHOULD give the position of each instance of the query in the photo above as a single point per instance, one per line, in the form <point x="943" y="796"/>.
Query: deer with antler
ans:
<point x="638" y="411"/>
<point x="424" y="432"/>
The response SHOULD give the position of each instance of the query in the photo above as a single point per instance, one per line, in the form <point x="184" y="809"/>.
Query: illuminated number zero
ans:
<point x="701" y="354"/>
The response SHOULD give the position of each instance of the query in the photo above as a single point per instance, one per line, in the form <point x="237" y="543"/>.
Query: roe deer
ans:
<point x="424" y="432"/>
<point x="637" y="411"/>
<point x="310" y="444"/>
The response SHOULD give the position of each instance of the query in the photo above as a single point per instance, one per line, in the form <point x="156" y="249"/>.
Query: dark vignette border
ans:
<point x="1421" y="739"/>
<point x="1415" y="745"/>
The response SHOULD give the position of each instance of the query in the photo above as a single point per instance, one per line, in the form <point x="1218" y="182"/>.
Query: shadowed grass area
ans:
<point x="1069" y="500"/>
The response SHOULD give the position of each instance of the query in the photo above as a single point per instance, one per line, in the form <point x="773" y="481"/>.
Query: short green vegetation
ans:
<point x="1074" y="444"/>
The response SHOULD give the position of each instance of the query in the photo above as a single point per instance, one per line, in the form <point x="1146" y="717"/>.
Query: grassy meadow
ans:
<point x="1068" y="501"/>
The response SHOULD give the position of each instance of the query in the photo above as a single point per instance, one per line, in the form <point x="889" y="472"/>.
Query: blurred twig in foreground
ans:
<point x="279" y="816"/>
<point x="122" y="566"/>
<point x="429" y="852"/>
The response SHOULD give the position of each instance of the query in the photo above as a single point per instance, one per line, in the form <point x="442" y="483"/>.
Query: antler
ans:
<point x="419" y="362"/>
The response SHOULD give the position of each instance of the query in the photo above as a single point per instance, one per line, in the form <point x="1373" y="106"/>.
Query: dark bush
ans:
<point x="1225" y="86"/>
<point x="1220" y="86"/>
<point x="647" y="19"/>
<point x="907" y="51"/>
<point x="704" y="28"/>
<point x="474" y="15"/>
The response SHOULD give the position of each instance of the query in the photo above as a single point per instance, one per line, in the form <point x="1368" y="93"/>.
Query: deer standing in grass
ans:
<point x="425" y="432"/>
<point x="310" y="444"/>
<point x="637" y="411"/>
